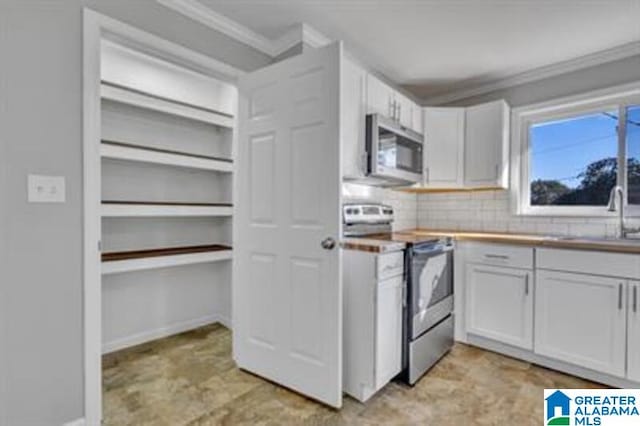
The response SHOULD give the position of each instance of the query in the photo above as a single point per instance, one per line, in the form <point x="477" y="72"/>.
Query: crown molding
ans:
<point x="475" y="88"/>
<point x="206" y="16"/>
<point x="313" y="37"/>
<point x="302" y="33"/>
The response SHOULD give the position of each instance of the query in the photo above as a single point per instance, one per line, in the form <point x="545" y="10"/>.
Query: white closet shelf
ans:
<point x="131" y="152"/>
<point x="150" y="101"/>
<point x="159" y="209"/>
<point x="139" y="260"/>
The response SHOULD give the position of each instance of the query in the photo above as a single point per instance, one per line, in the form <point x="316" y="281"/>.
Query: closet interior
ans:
<point x="167" y="143"/>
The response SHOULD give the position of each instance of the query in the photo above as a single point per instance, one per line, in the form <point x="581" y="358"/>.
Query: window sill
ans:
<point x="581" y="212"/>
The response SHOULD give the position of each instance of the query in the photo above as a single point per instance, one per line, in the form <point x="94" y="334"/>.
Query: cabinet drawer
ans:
<point x="501" y="255"/>
<point x="390" y="265"/>
<point x="589" y="262"/>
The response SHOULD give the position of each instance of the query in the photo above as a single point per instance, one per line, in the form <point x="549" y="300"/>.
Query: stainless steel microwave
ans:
<point x="394" y="153"/>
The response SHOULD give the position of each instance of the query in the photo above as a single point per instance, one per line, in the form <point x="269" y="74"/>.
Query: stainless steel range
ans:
<point x="428" y="308"/>
<point x="428" y="333"/>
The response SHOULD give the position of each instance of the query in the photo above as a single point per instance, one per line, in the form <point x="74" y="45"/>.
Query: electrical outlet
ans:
<point x="46" y="189"/>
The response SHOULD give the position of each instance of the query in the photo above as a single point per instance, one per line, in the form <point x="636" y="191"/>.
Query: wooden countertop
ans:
<point x="372" y="245"/>
<point x="382" y="243"/>
<point x="536" y="240"/>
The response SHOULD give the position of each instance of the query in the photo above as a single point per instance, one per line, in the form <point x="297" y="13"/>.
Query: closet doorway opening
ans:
<point x="158" y="149"/>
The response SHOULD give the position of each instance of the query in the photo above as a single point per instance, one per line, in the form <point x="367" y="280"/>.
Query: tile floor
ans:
<point x="190" y="379"/>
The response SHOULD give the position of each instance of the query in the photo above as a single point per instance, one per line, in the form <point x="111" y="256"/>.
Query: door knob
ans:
<point x="328" y="243"/>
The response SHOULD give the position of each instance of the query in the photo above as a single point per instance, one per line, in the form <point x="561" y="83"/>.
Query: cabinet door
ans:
<point x="404" y="111"/>
<point x="444" y="147"/>
<point x="418" y="118"/>
<point x="499" y="304"/>
<point x="580" y="319"/>
<point x="633" y="332"/>
<point x="486" y="145"/>
<point x="379" y="97"/>
<point x="352" y="121"/>
<point x="388" y="330"/>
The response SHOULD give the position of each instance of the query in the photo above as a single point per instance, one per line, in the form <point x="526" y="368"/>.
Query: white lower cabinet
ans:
<point x="388" y="336"/>
<point x="499" y="304"/>
<point x="633" y="331"/>
<point x="372" y="318"/>
<point x="580" y="319"/>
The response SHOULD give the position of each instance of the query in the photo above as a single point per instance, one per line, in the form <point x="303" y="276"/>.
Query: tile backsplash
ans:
<point x="405" y="205"/>
<point x="491" y="211"/>
<point x="488" y="211"/>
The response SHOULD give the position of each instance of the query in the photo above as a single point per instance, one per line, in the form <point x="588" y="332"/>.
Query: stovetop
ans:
<point x="401" y="237"/>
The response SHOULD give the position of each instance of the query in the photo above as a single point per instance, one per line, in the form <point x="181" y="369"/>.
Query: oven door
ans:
<point x="394" y="152"/>
<point x="431" y="286"/>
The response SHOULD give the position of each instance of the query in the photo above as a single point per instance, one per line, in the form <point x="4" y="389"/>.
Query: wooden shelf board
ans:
<point x="130" y="152"/>
<point x="112" y="208"/>
<point x="141" y="99"/>
<point x="138" y="260"/>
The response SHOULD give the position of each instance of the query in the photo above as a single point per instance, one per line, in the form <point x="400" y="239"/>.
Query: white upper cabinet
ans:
<point x="352" y="118"/>
<point x="384" y="99"/>
<point x="404" y="111"/>
<point x="418" y="122"/>
<point x="581" y="319"/>
<point x="444" y="147"/>
<point x="380" y="97"/>
<point x="486" y="145"/>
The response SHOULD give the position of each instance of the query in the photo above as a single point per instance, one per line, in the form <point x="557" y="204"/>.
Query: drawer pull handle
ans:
<point x="389" y="267"/>
<point x="526" y="285"/>
<point x="635" y="299"/>
<point x="620" y="296"/>
<point x="496" y="256"/>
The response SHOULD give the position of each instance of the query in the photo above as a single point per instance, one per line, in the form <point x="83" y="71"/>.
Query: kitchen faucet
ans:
<point x="619" y="205"/>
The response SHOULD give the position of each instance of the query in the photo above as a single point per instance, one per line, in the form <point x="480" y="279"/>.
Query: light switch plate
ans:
<point x="46" y="189"/>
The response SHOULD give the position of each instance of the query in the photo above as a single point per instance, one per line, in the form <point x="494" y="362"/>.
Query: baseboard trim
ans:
<point x="553" y="364"/>
<point x="77" y="422"/>
<point x="161" y="332"/>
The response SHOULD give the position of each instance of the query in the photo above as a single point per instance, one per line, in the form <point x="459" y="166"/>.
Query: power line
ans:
<point x="586" y="141"/>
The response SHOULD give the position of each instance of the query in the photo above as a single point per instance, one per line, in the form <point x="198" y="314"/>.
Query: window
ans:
<point x="574" y="161"/>
<point x="570" y="154"/>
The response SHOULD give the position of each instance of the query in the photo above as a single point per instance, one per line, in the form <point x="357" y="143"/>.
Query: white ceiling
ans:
<point x="436" y="46"/>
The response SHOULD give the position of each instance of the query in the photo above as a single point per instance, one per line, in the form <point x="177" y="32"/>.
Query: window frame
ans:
<point x="618" y="98"/>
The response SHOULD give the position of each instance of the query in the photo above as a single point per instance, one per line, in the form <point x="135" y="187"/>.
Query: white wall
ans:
<point x="41" y="346"/>
<point x="404" y="204"/>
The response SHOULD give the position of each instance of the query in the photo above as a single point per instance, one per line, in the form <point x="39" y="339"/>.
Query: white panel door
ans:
<point x="633" y="332"/>
<point x="287" y="289"/>
<point x="500" y="304"/>
<point x="444" y="147"/>
<point x="580" y="319"/>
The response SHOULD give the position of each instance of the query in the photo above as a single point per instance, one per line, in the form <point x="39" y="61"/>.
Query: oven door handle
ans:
<point x="433" y="250"/>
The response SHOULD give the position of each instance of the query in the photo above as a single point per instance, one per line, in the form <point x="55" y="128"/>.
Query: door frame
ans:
<point x="97" y="27"/>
